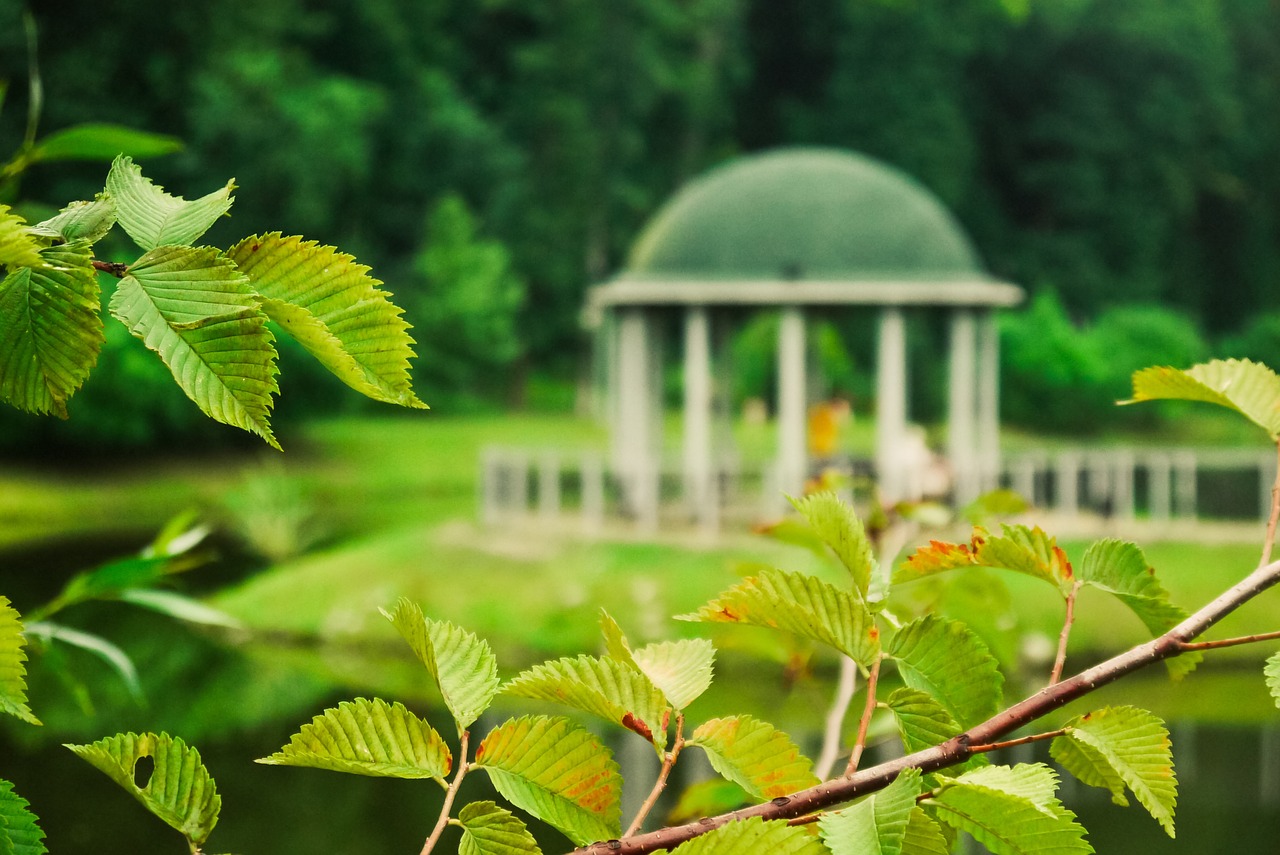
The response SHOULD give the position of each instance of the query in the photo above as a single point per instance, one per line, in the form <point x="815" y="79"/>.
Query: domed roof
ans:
<point x="817" y="214"/>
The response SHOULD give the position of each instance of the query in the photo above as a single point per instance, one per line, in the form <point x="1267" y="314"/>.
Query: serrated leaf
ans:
<point x="488" y="829"/>
<point x="152" y="217"/>
<point x="877" y="825"/>
<point x="615" y="641"/>
<point x="109" y="653"/>
<point x="606" y="688"/>
<point x="558" y="772"/>
<point x="20" y="833"/>
<point x="1272" y="672"/>
<point x="1035" y="782"/>
<point x="192" y="306"/>
<point x="839" y="528"/>
<point x="102" y="141"/>
<point x="682" y="670"/>
<point x="924" y="836"/>
<point x="179" y="790"/>
<point x="13" y="668"/>
<point x="754" y="755"/>
<point x="1249" y="388"/>
<point x="1120" y="568"/>
<point x="18" y="246"/>
<point x="86" y="221"/>
<point x="950" y="663"/>
<point x="364" y="737"/>
<point x="923" y="723"/>
<point x="1135" y="745"/>
<point x="50" y="329"/>
<point x="1017" y="547"/>
<point x="801" y="604"/>
<point x="330" y="304"/>
<point x="1089" y="766"/>
<point x="463" y="665"/>
<point x="1008" y="824"/>
<point x="752" y="836"/>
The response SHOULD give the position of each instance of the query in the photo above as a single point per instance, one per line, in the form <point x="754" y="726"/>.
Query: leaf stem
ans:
<point x="1275" y="513"/>
<point x="861" y="742"/>
<point x="450" y="795"/>
<point x="845" y="690"/>
<point x="117" y="269"/>
<point x="1187" y="647"/>
<point x="661" y="784"/>
<point x="1061" y="658"/>
<point x="1035" y="737"/>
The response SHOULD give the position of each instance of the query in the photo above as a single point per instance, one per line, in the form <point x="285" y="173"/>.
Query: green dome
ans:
<point x="819" y="214"/>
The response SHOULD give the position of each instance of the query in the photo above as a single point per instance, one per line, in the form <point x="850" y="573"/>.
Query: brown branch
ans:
<point x="661" y="784"/>
<point x="117" y="269"/>
<point x="959" y="748"/>
<point x="1061" y="658"/>
<point x="1275" y="512"/>
<point x="1228" y="642"/>
<point x="861" y="742"/>
<point x="1011" y="743"/>
<point x="449" y="796"/>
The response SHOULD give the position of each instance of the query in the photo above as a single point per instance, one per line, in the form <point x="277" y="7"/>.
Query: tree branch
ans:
<point x="115" y="268"/>
<point x="661" y="784"/>
<point x="861" y="742"/>
<point x="1011" y="743"/>
<point x="960" y="748"/>
<point x="1227" y="642"/>
<point x="449" y="796"/>
<point x="1061" y="658"/>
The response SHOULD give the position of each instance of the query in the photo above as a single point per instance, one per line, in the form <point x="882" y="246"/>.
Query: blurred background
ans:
<point x="491" y="160"/>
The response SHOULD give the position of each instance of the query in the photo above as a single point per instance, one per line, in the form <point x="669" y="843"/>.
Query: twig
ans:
<point x="1061" y="658"/>
<point x="1275" y="512"/>
<point x="958" y="749"/>
<point x="449" y="796"/>
<point x="996" y="746"/>
<point x="861" y="742"/>
<point x="1227" y="642"/>
<point x="661" y="783"/>
<point x="845" y="690"/>
<point x="115" y="268"/>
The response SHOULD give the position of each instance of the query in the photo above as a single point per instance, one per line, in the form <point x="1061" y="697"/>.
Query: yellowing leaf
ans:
<point x="488" y="829"/>
<point x="152" y="217"/>
<point x="877" y="825"/>
<point x="179" y="789"/>
<point x="800" y="604"/>
<point x="19" y="832"/>
<point x="371" y="738"/>
<point x="947" y="661"/>
<point x="558" y="772"/>
<point x="839" y="527"/>
<point x="752" y="836"/>
<point x="607" y="688"/>
<point x="1249" y="388"/>
<point x="335" y="309"/>
<point x="754" y="755"/>
<point x="194" y="308"/>
<point x="1019" y="548"/>
<point x="13" y="669"/>
<point x="50" y="329"/>
<point x="462" y="664"/>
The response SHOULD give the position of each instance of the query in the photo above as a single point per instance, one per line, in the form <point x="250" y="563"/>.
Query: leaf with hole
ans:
<point x="557" y="771"/>
<point x="373" y="738"/>
<point x="179" y="789"/>
<point x="13" y="668"/>
<point x="463" y="665"/>
<point x="754" y="755"/>
<point x="152" y="217"/>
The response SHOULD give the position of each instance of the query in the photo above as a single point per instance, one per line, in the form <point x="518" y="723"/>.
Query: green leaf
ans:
<point x="18" y="246"/>
<point x="606" y="688"/>
<point x="179" y="607"/>
<point x="1135" y="746"/>
<point x="13" y="668"/>
<point x="109" y="653"/>
<point x="752" y="836"/>
<point x="100" y="141"/>
<point x="179" y="789"/>
<point x="1249" y="388"/>
<point x="804" y="605"/>
<point x="1121" y="569"/>
<point x="1089" y="766"/>
<point x="86" y="221"/>
<point x="1272" y="672"/>
<point x="615" y="641"/>
<point x="197" y="311"/>
<point x="947" y="661"/>
<point x="330" y="304"/>
<point x="463" y="665"/>
<point x="109" y="580"/>
<point x="363" y="737"/>
<point x="1008" y="824"/>
<point x="754" y="755"/>
<point x="50" y="329"/>
<point x="708" y="798"/>
<point x="924" y="723"/>
<point x="682" y="670"/>
<point x="152" y="217"/>
<point x="924" y="836"/>
<point x="839" y="528"/>
<point x="558" y="772"/>
<point x="488" y="829"/>
<point x="1035" y="782"/>
<point x="1018" y="548"/>
<point x="19" y="832"/>
<point x="877" y="825"/>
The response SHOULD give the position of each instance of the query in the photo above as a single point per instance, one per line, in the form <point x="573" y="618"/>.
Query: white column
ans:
<point x="962" y="440"/>
<point x="1068" y="484"/>
<point x="792" y="449"/>
<point x="1159" y="489"/>
<point x="988" y="401"/>
<point x="891" y="402"/>
<point x="697" y="413"/>
<point x="633" y="428"/>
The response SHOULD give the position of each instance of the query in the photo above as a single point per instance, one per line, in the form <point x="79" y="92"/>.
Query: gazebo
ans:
<point x="803" y="231"/>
